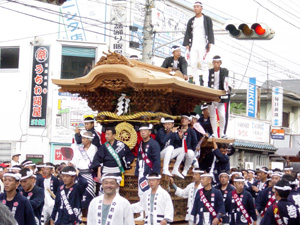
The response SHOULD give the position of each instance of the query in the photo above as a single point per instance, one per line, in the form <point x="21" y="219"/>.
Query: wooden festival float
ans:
<point x="127" y="93"/>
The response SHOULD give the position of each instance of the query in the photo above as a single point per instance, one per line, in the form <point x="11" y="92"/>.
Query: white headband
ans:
<point x="263" y="170"/>
<point x="239" y="179"/>
<point x="197" y="116"/>
<point x="220" y="59"/>
<point x="285" y="188"/>
<point x="223" y="174"/>
<point x="298" y="174"/>
<point x="174" y="49"/>
<point x="198" y="3"/>
<point x="86" y="136"/>
<point x="71" y="173"/>
<point x="204" y="107"/>
<point x="239" y="173"/>
<point x="288" y="168"/>
<point x="186" y="117"/>
<point x="40" y="166"/>
<point x="146" y="128"/>
<point x="88" y="121"/>
<point x="17" y="176"/>
<point x="29" y="164"/>
<point x="28" y="174"/>
<point x="207" y="175"/>
<point x="152" y="177"/>
<point x="47" y="166"/>
<point x="251" y="171"/>
<point x="276" y="174"/>
<point x="198" y="171"/>
<point x="14" y="168"/>
<point x="117" y="178"/>
<point x="295" y="182"/>
<point x="163" y="120"/>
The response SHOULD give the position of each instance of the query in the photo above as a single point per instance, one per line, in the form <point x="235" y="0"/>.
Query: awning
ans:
<point x="254" y="145"/>
<point x="287" y="151"/>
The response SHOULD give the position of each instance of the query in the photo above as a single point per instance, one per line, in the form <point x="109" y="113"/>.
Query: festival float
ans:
<point x="126" y="93"/>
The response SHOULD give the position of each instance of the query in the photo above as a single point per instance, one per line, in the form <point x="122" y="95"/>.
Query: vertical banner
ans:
<point x="39" y="88"/>
<point x="118" y="18"/>
<point x="251" y="98"/>
<point x="277" y="106"/>
<point x="72" y="27"/>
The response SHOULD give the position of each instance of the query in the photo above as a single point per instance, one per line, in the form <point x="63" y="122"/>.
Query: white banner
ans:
<point x="248" y="129"/>
<point x="277" y="106"/>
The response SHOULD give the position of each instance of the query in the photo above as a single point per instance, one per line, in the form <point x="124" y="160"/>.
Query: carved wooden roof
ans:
<point x="115" y="74"/>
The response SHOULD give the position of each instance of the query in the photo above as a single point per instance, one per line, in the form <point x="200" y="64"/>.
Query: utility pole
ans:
<point x="148" y="32"/>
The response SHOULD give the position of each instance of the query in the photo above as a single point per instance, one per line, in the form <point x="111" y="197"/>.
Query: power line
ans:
<point x="276" y="15"/>
<point x="289" y="13"/>
<point x="48" y="20"/>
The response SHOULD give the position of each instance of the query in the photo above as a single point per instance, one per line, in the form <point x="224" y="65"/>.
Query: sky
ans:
<point x="277" y="57"/>
<point x="280" y="54"/>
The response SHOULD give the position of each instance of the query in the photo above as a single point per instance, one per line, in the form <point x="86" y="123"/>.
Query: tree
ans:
<point x="238" y="108"/>
<point x="148" y="32"/>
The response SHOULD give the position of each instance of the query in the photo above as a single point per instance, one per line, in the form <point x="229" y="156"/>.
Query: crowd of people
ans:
<point x="66" y="193"/>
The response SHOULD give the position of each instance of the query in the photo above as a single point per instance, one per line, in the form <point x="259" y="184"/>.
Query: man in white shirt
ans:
<point x="82" y="160"/>
<point x="156" y="202"/>
<point x="218" y="79"/>
<point x="15" y="159"/>
<point x="198" y="39"/>
<point x="110" y="208"/>
<point x="189" y="193"/>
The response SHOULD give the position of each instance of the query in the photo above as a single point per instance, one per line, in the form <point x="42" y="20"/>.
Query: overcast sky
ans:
<point x="282" y="52"/>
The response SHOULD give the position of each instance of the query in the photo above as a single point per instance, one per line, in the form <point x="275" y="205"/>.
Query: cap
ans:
<point x="15" y="154"/>
<point x="4" y="165"/>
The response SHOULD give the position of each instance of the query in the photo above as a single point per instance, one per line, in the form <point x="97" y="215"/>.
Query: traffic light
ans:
<point x="255" y="31"/>
<point x="54" y="2"/>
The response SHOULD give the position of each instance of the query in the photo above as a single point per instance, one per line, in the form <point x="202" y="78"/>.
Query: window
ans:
<point x="5" y="152"/>
<point x="76" y="62"/>
<point x="9" y="57"/>
<point x="285" y="119"/>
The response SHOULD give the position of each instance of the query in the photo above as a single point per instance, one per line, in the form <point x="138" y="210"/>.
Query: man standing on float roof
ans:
<point x="198" y="39"/>
<point x="218" y="79"/>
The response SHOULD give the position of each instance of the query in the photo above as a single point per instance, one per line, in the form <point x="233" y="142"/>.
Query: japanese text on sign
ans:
<point x="39" y="86"/>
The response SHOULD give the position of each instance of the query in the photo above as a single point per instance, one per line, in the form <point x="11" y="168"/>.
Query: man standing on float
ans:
<point x="198" y="39"/>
